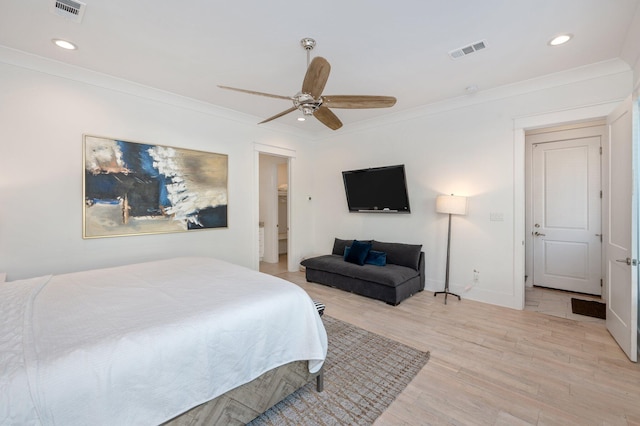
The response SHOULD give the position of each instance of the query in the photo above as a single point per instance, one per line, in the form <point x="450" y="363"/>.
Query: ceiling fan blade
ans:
<point x="251" y="92"/>
<point x="316" y="77"/>
<point x="328" y="118"/>
<point x="279" y="115"/>
<point x="356" y="102"/>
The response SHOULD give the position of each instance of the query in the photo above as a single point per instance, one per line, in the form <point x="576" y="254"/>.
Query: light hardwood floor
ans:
<point x="494" y="366"/>
<point x="557" y="303"/>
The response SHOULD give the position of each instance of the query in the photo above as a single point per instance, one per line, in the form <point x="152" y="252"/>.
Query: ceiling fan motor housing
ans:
<point x="308" y="43"/>
<point x="306" y="103"/>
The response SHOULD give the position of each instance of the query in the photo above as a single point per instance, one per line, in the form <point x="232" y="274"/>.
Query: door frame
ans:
<point x="270" y="204"/>
<point x="529" y="240"/>
<point x="520" y="125"/>
<point x="290" y="155"/>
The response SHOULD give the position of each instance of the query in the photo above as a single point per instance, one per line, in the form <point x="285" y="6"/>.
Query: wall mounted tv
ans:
<point x="377" y="190"/>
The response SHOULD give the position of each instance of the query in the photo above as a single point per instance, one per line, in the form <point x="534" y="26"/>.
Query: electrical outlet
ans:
<point x="475" y="282"/>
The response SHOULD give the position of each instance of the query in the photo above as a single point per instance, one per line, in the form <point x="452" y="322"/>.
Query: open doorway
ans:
<point x="273" y="213"/>
<point x="563" y="238"/>
<point x="620" y="185"/>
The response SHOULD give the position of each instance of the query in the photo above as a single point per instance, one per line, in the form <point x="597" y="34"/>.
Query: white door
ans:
<point x="566" y="205"/>
<point x="620" y="169"/>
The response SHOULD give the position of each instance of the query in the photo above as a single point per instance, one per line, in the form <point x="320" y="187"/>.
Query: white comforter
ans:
<point x="140" y="344"/>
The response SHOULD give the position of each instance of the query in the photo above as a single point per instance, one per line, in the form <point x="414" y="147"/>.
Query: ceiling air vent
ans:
<point x="70" y="9"/>
<point x="467" y="50"/>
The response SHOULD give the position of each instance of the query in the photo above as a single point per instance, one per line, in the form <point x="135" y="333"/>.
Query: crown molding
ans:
<point x="71" y="72"/>
<point x="589" y="72"/>
<point x="75" y="73"/>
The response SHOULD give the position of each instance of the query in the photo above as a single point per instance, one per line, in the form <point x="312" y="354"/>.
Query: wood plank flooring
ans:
<point x="495" y="366"/>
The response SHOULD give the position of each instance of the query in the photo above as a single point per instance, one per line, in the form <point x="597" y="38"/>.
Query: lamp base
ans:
<point x="446" y="293"/>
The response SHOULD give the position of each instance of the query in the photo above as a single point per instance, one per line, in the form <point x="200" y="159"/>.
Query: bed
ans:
<point x="146" y="343"/>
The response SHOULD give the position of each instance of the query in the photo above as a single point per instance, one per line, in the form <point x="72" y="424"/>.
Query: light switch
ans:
<point x="496" y="217"/>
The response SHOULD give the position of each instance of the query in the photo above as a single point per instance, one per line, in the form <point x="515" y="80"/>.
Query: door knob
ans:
<point x="539" y="234"/>
<point x="628" y="261"/>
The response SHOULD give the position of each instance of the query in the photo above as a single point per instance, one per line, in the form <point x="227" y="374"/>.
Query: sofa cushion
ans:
<point x="358" y="252"/>
<point x="399" y="253"/>
<point x="339" y="246"/>
<point x="389" y="275"/>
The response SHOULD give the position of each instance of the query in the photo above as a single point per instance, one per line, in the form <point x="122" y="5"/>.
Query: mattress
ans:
<point x="140" y="344"/>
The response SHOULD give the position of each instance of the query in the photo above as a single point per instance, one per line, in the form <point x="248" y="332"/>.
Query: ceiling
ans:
<point x="375" y="47"/>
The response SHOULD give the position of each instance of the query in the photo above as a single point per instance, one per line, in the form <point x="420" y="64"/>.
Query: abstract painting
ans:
<point x="135" y="188"/>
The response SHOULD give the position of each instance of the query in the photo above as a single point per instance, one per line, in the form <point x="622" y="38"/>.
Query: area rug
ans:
<point x="589" y="308"/>
<point x="363" y="373"/>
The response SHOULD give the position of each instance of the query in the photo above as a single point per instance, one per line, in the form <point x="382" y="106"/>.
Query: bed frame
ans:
<point x="244" y="403"/>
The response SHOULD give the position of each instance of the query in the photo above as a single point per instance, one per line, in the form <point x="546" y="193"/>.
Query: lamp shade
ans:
<point x="451" y="204"/>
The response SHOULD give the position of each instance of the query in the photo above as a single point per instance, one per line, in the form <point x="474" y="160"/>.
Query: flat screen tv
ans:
<point x="377" y="190"/>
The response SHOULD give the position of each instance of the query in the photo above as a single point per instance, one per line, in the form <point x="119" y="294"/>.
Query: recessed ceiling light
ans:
<point x="64" y="44"/>
<point x="560" y="39"/>
<point x="301" y="119"/>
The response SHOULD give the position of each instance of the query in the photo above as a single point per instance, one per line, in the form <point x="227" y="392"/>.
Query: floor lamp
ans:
<point x="449" y="204"/>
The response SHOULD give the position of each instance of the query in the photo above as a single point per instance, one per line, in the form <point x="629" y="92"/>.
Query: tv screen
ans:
<point x="377" y="190"/>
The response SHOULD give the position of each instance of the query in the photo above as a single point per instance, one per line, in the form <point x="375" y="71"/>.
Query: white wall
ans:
<point x="466" y="147"/>
<point x="43" y="116"/>
<point x="630" y="51"/>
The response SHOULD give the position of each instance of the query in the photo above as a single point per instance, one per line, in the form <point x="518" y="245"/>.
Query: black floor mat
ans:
<point x="589" y="308"/>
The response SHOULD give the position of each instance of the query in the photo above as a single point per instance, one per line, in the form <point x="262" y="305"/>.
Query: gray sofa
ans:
<point x="401" y="276"/>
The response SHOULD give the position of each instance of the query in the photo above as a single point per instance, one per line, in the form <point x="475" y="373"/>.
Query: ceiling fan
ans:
<point x="310" y="100"/>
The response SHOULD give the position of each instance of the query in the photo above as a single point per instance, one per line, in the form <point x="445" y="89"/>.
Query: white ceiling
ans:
<point x="375" y="47"/>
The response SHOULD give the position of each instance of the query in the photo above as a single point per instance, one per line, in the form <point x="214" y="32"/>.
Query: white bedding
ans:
<point x="140" y="344"/>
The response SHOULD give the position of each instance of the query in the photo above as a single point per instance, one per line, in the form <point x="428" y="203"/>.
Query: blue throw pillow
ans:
<point x="377" y="258"/>
<point x="358" y="252"/>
